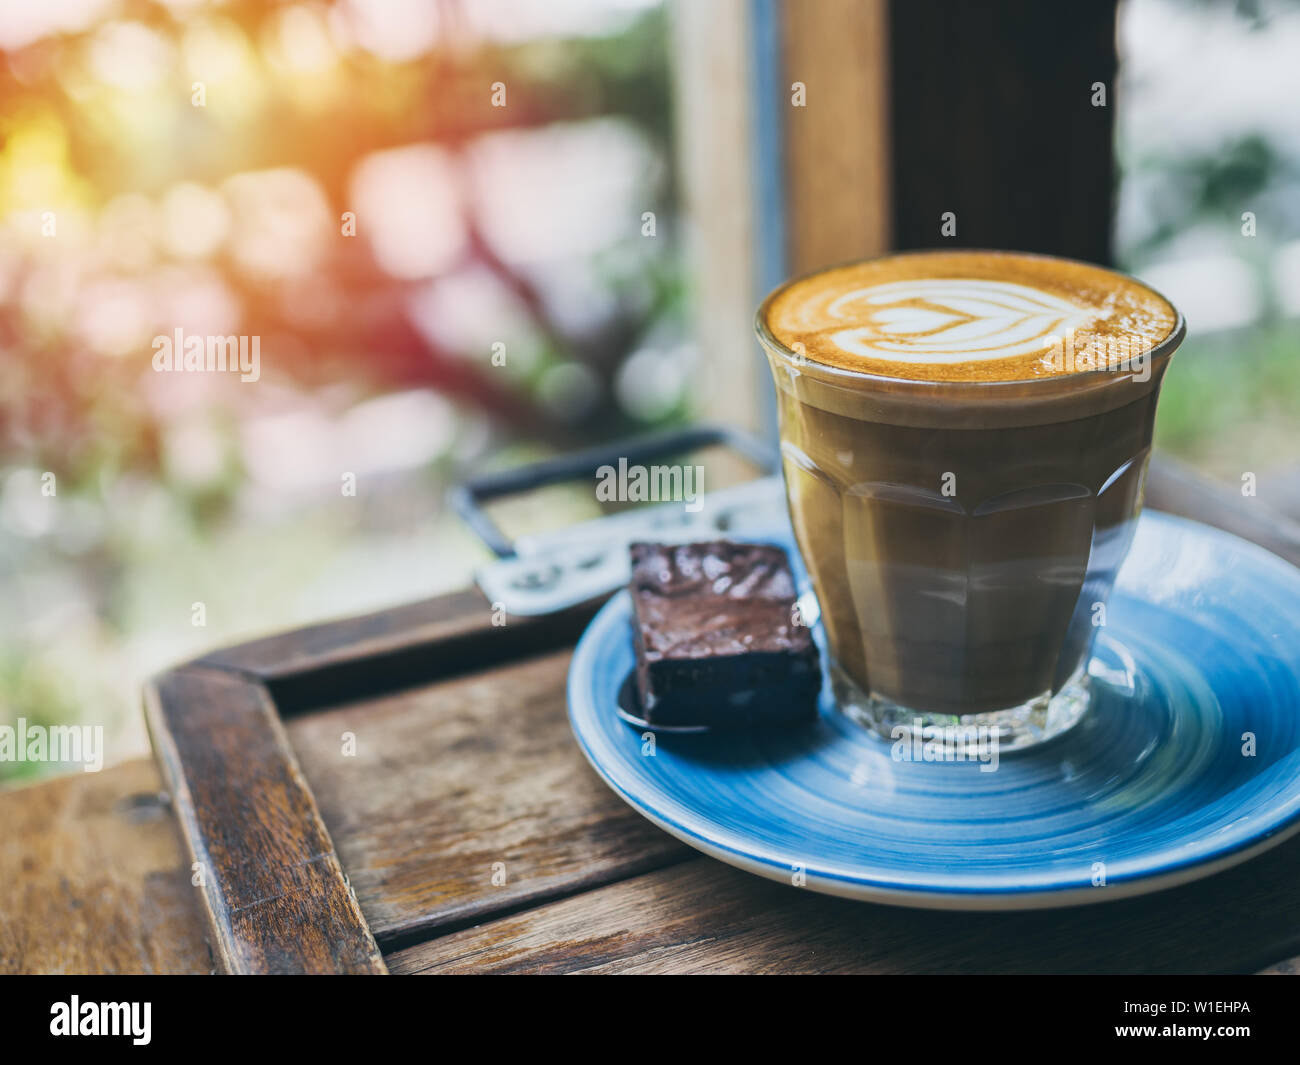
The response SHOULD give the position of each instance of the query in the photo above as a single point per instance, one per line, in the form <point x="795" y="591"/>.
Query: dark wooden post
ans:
<point x="995" y="117"/>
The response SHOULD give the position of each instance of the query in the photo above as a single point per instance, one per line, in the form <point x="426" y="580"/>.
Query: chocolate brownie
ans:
<point x="717" y="642"/>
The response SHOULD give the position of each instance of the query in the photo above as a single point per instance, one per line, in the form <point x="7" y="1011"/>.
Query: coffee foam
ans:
<point x="969" y="316"/>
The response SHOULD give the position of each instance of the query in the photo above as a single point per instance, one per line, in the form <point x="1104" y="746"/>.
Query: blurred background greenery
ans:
<point x="1208" y="132"/>
<point x="475" y="226"/>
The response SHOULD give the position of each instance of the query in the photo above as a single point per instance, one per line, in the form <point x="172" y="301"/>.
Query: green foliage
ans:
<point x="1231" y="401"/>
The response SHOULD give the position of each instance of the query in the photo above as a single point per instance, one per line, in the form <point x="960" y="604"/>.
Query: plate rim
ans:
<point x="1152" y="872"/>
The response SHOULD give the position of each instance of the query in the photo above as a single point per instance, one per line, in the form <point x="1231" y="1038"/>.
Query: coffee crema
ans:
<point x="969" y="316"/>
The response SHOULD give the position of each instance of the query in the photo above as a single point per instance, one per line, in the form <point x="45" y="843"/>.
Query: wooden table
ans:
<point x="400" y="792"/>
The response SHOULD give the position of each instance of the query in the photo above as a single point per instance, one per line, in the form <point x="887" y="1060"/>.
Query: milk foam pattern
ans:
<point x="966" y="315"/>
<point x="951" y="320"/>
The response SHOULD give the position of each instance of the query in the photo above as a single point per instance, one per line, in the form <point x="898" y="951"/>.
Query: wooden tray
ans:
<point x="400" y="792"/>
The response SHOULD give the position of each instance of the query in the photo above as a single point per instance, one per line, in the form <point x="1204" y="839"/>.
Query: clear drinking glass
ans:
<point x="962" y="537"/>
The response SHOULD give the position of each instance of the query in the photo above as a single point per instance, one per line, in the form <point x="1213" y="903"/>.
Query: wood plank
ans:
<point x="450" y="779"/>
<point x="639" y="931"/>
<point x="1179" y="489"/>
<point x="349" y="639"/>
<point x="93" y="878"/>
<point x="714" y="101"/>
<point x="837" y="145"/>
<point x="372" y="653"/>
<point x="275" y="897"/>
<point x="1280" y="490"/>
<point x="705" y="917"/>
<point x="993" y="120"/>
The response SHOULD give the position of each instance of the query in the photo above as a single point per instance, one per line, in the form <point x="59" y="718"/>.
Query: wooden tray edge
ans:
<point x="312" y="897"/>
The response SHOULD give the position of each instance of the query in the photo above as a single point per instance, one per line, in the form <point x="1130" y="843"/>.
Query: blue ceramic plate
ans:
<point x="1187" y="762"/>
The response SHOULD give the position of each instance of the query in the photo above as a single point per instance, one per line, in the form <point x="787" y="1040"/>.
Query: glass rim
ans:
<point x="1082" y="379"/>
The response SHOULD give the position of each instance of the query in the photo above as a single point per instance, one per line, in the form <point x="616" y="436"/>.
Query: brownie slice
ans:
<point x="716" y="642"/>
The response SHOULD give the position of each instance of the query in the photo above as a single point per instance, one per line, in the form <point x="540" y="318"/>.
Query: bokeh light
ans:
<point x="330" y="178"/>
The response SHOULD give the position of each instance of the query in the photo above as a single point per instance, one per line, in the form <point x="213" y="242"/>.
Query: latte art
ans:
<point x="968" y="316"/>
<point x="953" y="320"/>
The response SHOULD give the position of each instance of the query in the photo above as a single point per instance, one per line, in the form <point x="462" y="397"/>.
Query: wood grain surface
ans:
<point x="93" y="878"/>
<point x="477" y="839"/>
<point x="836" y="150"/>
<point x="317" y="647"/>
<point x="362" y="656"/>
<point x="275" y="897"/>
<point x="468" y="798"/>
<point x="704" y="917"/>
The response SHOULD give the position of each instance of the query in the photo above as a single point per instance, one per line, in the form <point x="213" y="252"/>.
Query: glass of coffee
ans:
<point x="965" y="438"/>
